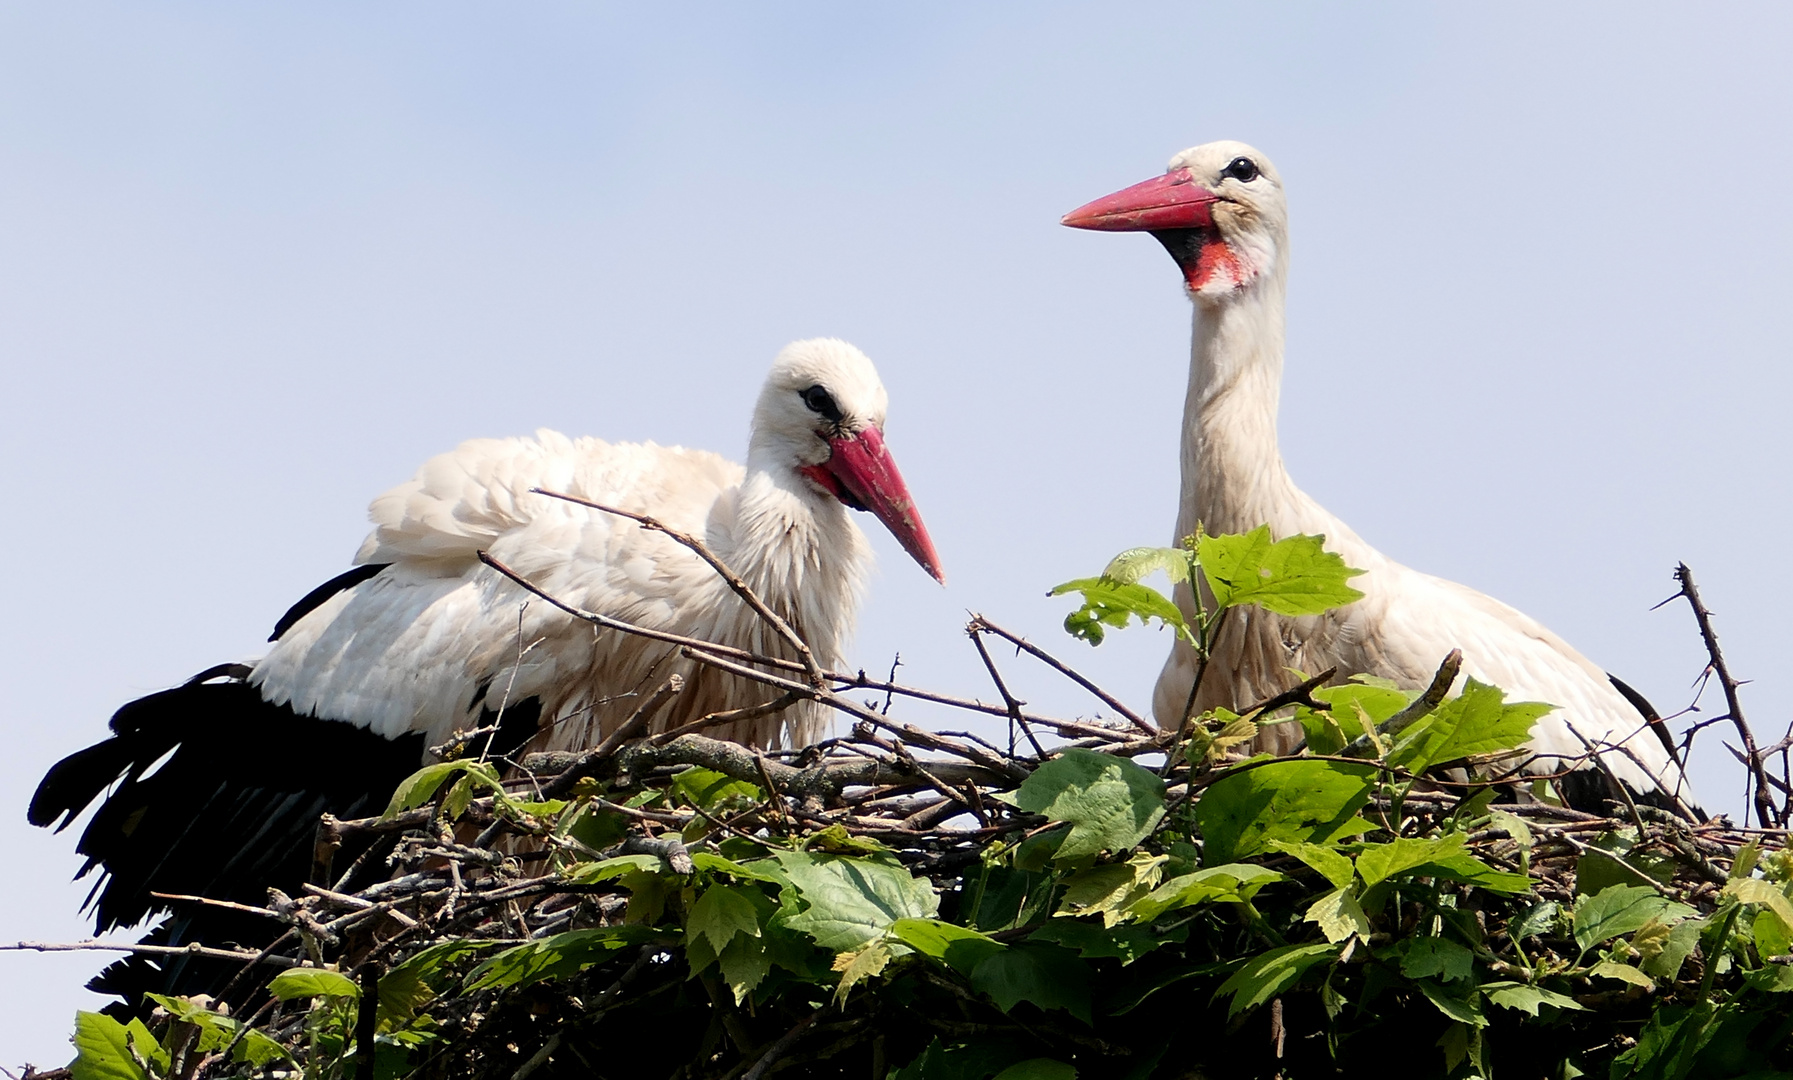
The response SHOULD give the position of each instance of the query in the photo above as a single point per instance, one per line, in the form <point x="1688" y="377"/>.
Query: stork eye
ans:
<point x="821" y="401"/>
<point x="1242" y="169"/>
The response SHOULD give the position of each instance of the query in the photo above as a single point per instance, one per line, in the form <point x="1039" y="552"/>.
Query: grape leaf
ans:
<point x="852" y="901"/>
<point x="1243" y="813"/>
<point x="1045" y="975"/>
<point x="722" y="911"/>
<point x="1477" y="721"/>
<point x="311" y="983"/>
<point x="555" y="956"/>
<point x="1111" y="603"/>
<point x="1110" y="803"/>
<point x="1269" y="974"/>
<point x="103" y="1048"/>
<point x="1292" y="576"/>
<point x="1135" y="563"/>
<point x="957" y="947"/>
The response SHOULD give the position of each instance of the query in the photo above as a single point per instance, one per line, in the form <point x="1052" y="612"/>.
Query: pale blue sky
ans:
<point x="257" y="262"/>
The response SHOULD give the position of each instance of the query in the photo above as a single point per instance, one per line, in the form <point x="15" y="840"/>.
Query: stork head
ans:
<point x="1218" y="210"/>
<point x="821" y="415"/>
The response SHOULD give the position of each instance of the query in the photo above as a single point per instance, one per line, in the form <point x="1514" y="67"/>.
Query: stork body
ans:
<point x="422" y="638"/>
<point x="1220" y="211"/>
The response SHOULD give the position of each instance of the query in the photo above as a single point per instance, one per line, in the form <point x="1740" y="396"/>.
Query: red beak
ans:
<point x="1171" y="201"/>
<point x="861" y="473"/>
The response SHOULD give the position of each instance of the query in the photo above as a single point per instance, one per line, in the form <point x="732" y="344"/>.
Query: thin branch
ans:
<point x="1064" y="669"/>
<point x="93" y="945"/>
<point x="1766" y="813"/>
<point x="702" y="550"/>
<point x="1008" y="699"/>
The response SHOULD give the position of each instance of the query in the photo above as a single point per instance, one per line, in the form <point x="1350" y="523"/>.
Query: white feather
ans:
<point x="422" y="645"/>
<point x="1234" y="480"/>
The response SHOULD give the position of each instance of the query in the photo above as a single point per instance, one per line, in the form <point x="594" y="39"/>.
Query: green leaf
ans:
<point x="1328" y="862"/>
<point x="1515" y="995"/>
<point x="1092" y="942"/>
<point x="1267" y="975"/>
<point x="1771" y="934"/>
<point x="1464" y="1010"/>
<point x="722" y="911"/>
<point x="217" y="1031"/>
<point x="1665" y="962"/>
<point x="296" y="983"/>
<point x="1038" y="1069"/>
<point x="103" y="1048"/>
<point x="1476" y="721"/>
<point x="745" y="963"/>
<point x="707" y="788"/>
<point x="1243" y="813"/>
<point x="756" y="870"/>
<point x="955" y="946"/>
<point x="421" y="786"/>
<point x="1110" y="803"/>
<point x="1136" y="563"/>
<point x="1231" y="883"/>
<point x="622" y="865"/>
<point x="1767" y="894"/>
<point x="414" y="983"/>
<point x="1292" y="576"/>
<point x="1338" y="915"/>
<point x="1354" y="709"/>
<point x="856" y="967"/>
<point x="555" y="956"/>
<point x="852" y="901"/>
<point x="976" y="1060"/>
<point x="1535" y="920"/>
<point x="1379" y="862"/>
<point x="1110" y="603"/>
<point x="1031" y="971"/>
<point x="1611" y="969"/>
<point x="1109" y="890"/>
<point x="836" y="840"/>
<point x="1621" y="909"/>
<point x="1438" y="857"/>
<point x="1428" y="956"/>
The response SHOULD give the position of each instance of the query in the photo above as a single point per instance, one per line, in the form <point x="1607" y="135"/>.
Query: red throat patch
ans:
<point x="1215" y="262"/>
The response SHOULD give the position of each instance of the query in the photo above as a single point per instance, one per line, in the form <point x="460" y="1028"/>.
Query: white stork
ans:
<point x="422" y="638"/>
<point x="1219" y="210"/>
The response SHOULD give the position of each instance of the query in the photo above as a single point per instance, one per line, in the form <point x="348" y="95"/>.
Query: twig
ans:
<point x="1064" y="669"/>
<point x="730" y="716"/>
<point x="1432" y="698"/>
<point x="1008" y="699"/>
<point x="92" y="945"/>
<point x="640" y="718"/>
<point x="1766" y="813"/>
<point x="780" y="1047"/>
<point x="366" y="1015"/>
<point x="741" y="589"/>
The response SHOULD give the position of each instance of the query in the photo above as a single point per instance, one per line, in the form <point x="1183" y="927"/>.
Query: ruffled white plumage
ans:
<point x="437" y="635"/>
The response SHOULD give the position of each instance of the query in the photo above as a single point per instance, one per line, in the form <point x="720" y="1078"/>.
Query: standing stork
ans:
<point x="217" y="785"/>
<point x="1219" y="210"/>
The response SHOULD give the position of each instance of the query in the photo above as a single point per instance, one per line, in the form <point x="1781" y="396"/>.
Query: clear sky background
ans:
<point x="257" y="262"/>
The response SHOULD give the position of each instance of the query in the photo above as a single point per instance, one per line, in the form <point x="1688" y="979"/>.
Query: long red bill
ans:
<point x="863" y="466"/>
<point x="1171" y="201"/>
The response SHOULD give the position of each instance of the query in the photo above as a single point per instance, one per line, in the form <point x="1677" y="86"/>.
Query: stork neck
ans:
<point x="1233" y="474"/>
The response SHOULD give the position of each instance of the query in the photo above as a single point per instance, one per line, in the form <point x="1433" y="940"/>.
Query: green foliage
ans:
<point x="1245" y="812"/>
<point x="1106" y="920"/>
<point x="108" y="1050"/>
<point x="1292" y="576"/>
<point x="1110" y="803"/>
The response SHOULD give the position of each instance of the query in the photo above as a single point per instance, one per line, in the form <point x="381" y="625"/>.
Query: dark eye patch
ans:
<point x="1242" y="169"/>
<point x="821" y="401"/>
